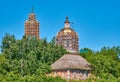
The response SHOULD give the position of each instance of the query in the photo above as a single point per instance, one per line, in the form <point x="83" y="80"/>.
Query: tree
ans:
<point x="104" y="63"/>
<point x="29" y="59"/>
<point x="7" y="40"/>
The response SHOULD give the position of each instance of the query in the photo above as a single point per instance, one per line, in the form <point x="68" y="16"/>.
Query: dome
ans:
<point x="67" y="37"/>
<point x="71" y="61"/>
<point x="67" y="32"/>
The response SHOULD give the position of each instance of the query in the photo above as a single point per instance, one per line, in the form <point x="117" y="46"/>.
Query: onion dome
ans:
<point x="68" y="38"/>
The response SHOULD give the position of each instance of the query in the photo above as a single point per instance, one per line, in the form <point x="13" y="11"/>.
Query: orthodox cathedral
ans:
<point x="69" y="66"/>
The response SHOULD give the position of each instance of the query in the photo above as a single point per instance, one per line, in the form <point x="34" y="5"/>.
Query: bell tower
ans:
<point x="32" y="26"/>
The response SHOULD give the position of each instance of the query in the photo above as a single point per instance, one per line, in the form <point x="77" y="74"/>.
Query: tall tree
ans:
<point x="7" y="40"/>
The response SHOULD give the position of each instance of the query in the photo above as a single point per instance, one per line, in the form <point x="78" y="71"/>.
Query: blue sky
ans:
<point x="97" y="22"/>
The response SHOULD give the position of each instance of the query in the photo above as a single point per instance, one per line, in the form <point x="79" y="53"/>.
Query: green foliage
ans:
<point x="29" y="60"/>
<point x="7" y="40"/>
<point x="105" y="63"/>
<point x="33" y="78"/>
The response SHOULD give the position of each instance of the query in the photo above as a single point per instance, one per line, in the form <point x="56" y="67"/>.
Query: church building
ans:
<point x="68" y="38"/>
<point x="32" y="26"/>
<point x="70" y="66"/>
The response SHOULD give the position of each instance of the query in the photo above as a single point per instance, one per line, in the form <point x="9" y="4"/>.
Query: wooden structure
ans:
<point x="71" y="66"/>
<point x="68" y="38"/>
<point x="32" y="26"/>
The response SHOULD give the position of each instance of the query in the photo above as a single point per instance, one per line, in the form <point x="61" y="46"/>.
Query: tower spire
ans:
<point x="32" y="15"/>
<point x="67" y="23"/>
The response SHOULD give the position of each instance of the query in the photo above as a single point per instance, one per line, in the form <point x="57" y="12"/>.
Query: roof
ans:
<point x="67" y="31"/>
<point x="71" y="61"/>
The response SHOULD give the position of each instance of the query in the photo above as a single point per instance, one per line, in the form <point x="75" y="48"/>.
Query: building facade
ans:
<point x="68" y="38"/>
<point x="71" y="66"/>
<point x="32" y="26"/>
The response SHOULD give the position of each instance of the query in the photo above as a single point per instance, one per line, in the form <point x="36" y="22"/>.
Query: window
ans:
<point x="67" y="43"/>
